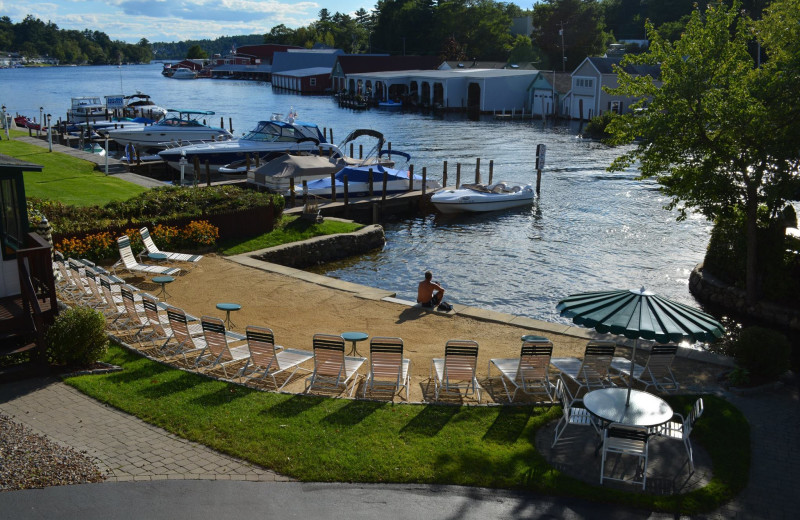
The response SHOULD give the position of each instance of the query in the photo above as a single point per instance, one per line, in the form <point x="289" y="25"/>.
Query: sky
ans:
<point x="176" y="20"/>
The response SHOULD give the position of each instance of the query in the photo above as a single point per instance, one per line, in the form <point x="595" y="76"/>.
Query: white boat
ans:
<point x="183" y="73"/>
<point x="140" y="105"/>
<point x="268" y="140"/>
<point x="179" y="127"/>
<point x="88" y="108"/>
<point x="358" y="185"/>
<point x="483" y="197"/>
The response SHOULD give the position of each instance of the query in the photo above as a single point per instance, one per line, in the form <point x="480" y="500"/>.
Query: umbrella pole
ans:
<point x="630" y="375"/>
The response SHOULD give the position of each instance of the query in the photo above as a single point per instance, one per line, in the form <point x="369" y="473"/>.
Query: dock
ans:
<point x="366" y="209"/>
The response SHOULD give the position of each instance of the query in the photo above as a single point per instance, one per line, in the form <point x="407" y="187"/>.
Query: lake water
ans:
<point x="590" y="230"/>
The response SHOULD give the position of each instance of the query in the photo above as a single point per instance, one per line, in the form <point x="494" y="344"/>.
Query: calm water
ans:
<point x="591" y="230"/>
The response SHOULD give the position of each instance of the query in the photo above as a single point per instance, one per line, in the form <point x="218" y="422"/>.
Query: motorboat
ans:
<point x="358" y="182"/>
<point x="268" y="140"/>
<point x="390" y="104"/>
<point x="180" y="126"/>
<point x="87" y="109"/>
<point x="140" y="105"/>
<point x="483" y="197"/>
<point x="183" y="73"/>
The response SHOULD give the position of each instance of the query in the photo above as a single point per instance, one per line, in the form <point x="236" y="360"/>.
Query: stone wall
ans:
<point x="319" y="250"/>
<point x="707" y="288"/>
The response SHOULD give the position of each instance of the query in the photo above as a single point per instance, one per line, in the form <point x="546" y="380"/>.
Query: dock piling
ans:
<point x="458" y="175"/>
<point x="478" y="171"/>
<point x="410" y="178"/>
<point x="444" y="174"/>
<point x="491" y="170"/>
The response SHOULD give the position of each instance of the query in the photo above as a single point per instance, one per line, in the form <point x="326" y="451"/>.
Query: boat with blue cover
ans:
<point x="358" y="181"/>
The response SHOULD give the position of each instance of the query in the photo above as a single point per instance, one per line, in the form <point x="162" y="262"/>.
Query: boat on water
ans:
<point x="268" y="140"/>
<point x="26" y="122"/>
<point x="183" y="73"/>
<point x="390" y="105"/>
<point x="483" y="197"/>
<point x="180" y="126"/>
<point x="140" y="105"/>
<point x="87" y="109"/>
<point x="358" y="182"/>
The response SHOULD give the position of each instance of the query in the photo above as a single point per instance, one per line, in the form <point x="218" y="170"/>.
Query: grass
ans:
<point x="288" y="229"/>
<point x="65" y="178"/>
<point x="321" y="439"/>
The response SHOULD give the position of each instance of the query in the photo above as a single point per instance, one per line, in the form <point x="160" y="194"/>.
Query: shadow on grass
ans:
<point x="168" y="387"/>
<point x="294" y="406"/>
<point x="353" y="413"/>
<point x="224" y="395"/>
<point x="430" y="420"/>
<point x="509" y="424"/>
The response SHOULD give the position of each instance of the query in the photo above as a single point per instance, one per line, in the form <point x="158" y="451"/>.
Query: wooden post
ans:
<point x="538" y="181"/>
<point x="208" y="172"/>
<point x="361" y="151"/>
<point x="458" y="175"/>
<point x="258" y="160"/>
<point x="221" y="122"/>
<point x="247" y="160"/>
<point x="346" y="193"/>
<point x="291" y="191"/>
<point x="370" y="179"/>
<point x="478" y="171"/>
<point x="444" y="175"/>
<point x="351" y="149"/>
<point x="383" y="195"/>
<point x="491" y="170"/>
<point x="333" y="187"/>
<point x="331" y="131"/>
<point x="411" y="177"/>
<point x="305" y="193"/>
<point x="388" y="148"/>
<point x="230" y="124"/>
<point x="424" y="179"/>
<point x="196" y="164"/>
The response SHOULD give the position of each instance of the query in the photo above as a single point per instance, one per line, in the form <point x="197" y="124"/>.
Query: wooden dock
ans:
<point x="367" y="209"/>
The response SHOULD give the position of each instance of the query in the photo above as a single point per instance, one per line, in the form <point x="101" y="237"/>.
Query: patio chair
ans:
<point x="571" y="413"/>
<point x="183" y="342"/>
<point x="530" y="372"/>
<point x="456" y="370"/>
<point x="218" y="352"/>
<point x="657" y="372"/>
<point x="626" y="440"/>
<point x="150" y="247"/>
<point x="133" y="322"/>
<point x="332" y="369"/>
<point x="592" y="372"/>
<point x="682" y="428"/>
<point x="71" y="287"/>
<point x="159" y="332"/>
<point x="127" y="261"/>
<point x="388" y="369"/>
<point x="269" y="359"/>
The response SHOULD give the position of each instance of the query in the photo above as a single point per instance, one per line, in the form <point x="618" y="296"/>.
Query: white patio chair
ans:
<point x="456" y="371"/>
<point x="657" y="372"/>
<point x="332" y="369"/>
<point x="128" y="262"/>
<point x="218" y="351"/>
<point x="530" y="372"/>
<point x="269" y="359"/>
<point x="150" y="247"/>
<point x="592" y="371"/>
<point x="681" y="430"/>
<point x="571" y="414"/>
<point x="388" y="369"/>
<point x="626" y="440"/>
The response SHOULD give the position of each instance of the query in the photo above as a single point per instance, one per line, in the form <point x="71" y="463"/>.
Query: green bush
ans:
<point x="77" y="337"/>
<point x="596" y="127"/>
<point x="763" y="353"/>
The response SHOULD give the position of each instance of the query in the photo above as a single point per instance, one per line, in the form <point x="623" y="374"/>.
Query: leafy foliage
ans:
<point x="763" y="353"/>
<point x="77" y="337"/>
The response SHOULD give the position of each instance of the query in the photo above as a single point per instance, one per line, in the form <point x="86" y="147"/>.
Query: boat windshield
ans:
<point x="175" y="121"/>
<point x="273" y="131"/>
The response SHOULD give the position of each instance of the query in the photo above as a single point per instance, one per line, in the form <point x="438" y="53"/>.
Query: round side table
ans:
<point x="355" y="337"/>
<point x="158" y="257"/>
<point x="163" y="280"/>
<point x="228" y="308"/>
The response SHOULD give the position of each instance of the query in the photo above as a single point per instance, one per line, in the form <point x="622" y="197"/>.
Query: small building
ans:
<point x="314" y="80"/>
<point x="545" y="92"/>
<point x="587" y="99"/>
<point x="348" y="64"/>
<point x="297" y="59"/>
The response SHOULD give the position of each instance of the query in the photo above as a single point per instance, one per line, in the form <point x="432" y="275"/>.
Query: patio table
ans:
<point x="644" y="409"/>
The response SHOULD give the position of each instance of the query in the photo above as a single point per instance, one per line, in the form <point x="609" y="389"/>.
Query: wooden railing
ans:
<point x="35" y="266"/>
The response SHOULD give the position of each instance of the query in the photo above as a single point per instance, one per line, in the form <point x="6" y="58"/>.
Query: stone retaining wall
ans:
<point x="707" y="288"/>
<point x="319" y="250"/>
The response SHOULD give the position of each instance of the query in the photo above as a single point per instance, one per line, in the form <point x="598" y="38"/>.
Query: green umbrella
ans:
<point x="640" y="314"/>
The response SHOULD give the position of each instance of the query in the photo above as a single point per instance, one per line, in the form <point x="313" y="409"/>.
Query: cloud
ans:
<point x="242" y="11"/>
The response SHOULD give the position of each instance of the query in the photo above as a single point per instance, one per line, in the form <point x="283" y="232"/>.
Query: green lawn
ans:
<point x="321" y="439"/>
<point x="288" y="229"/>
<point x="65" y="178"/>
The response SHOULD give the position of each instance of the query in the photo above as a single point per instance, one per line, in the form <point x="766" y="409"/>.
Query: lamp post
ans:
<point x="5" y="121"/>
<point x="183" y="163"/>
<point x="563" y="56"/>
<point x="49" y="134"/>
<point x="41" y="122"/>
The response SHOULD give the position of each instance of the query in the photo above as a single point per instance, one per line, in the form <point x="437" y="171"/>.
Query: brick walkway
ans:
<point x="124" y="447"/>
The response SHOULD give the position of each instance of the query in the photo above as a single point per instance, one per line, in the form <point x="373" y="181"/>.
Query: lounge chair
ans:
<point x="332" y="369"/>
<point x="183" y="342"/>
<point x="150" y="247"/>
<point x="218" y="352"/>
<point x="592" y="372"/>
<point x="388" y="369"/>
<point x="456" y="371"/>
<point x="269" y="359"/>
<point x="657" y="372"/>
<point x="128" y="262"/>
<point x="626" y="440"/>
<point x="134" y="323"/>
<point x="572" y="412"/>
<point x="530" y="372"/>
<point x="681" y="429"/>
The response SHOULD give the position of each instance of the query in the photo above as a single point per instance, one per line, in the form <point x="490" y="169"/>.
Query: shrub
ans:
<point x="77" y="337"/>
<point x="199" y="234"/>
<point x="763" y="353"/>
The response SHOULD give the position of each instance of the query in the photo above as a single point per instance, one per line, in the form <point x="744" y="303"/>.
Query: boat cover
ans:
<point x="287" y="166"/>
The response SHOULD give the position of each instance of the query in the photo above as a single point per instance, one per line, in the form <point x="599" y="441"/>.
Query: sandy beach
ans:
<point x="296" y="305"/>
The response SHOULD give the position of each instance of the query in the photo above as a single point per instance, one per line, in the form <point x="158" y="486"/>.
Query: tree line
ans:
<point x="33" y="38"/>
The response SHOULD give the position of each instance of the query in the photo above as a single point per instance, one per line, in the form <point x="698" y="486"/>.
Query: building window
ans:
<point x="312" y="82"/>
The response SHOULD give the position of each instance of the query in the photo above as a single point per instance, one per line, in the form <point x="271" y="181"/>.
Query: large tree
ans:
<point x="717" y="132"/>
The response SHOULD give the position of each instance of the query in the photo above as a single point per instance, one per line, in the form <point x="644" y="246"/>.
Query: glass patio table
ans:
<point x="644" y="409"/>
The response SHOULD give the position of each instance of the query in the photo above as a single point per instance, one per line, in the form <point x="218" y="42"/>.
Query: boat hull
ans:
<point x="469" y="201"/>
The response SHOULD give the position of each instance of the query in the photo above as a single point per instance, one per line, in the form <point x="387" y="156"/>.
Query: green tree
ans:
<point x="522" y="51"/>
<point x="196" y="52"/>
<point x="717" y="133"/>
<point x="572" y="29"/>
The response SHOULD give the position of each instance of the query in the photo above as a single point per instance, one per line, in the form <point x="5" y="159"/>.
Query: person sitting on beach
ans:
<point x="429" y="293"/>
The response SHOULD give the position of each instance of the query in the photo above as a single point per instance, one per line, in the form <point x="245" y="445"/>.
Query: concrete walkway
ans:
<point x="127" y="450"/>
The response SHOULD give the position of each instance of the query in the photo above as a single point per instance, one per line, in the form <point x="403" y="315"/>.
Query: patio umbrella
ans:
<point x="639" y="314"/>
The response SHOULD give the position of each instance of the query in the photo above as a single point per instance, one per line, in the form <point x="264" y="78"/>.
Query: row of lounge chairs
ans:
<point x="128" y="262"/>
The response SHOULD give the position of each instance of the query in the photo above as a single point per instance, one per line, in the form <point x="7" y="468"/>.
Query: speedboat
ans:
<point x="183" y="73"/>
<point x="483" y="197"/>
<point x="268" y="140"/>
<point x="180" y="126"/>
<point x="140" y="105"/>
<point x="89" y="109"/>
<point x="397" y="181"/>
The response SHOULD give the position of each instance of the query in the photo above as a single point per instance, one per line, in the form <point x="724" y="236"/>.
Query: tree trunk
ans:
<point x="751" y="277"/>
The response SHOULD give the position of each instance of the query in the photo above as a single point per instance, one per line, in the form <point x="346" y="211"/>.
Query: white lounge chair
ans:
<point x="388" y="369"/>
<point x="332" y="369"/>
<point x="218" y="352"/>
<point x="150" y="247"/>
<point x="269" y="359"/>
<point x="682" y="428"/>
<point x="592" y="371"/>
<point x="456" y="371"/>
<point x="657" y="372"/>
<point x="128" y="262"/>
<point x="530" y="372"/>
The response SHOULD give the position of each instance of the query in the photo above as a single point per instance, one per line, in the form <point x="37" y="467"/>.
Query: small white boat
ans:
<point x="88" y="108"/>
<point x="180" y="126"/>
<point x="482" y="197"/>
<point x="183" y="73"/>
<point x="358" y="185"/>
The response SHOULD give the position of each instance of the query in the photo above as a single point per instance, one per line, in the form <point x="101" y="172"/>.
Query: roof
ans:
<point x="10" y="164"/>
<point x="302" y="73"/>
<point x="283" y="61"/>
<point x="448" y="74"/>
<point x="473" y="64"/>
<point x="358" y="63"/>
<point x="264" y="50"/>
<point x="235" y="67"/>
<point x="605" y="66"/>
